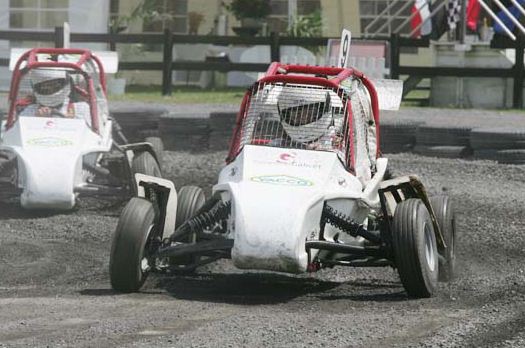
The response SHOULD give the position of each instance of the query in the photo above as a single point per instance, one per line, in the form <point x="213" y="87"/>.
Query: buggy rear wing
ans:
<point x="108" y="59"/>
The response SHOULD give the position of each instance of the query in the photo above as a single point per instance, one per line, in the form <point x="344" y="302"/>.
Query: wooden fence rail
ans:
<point x="168" y="39"/>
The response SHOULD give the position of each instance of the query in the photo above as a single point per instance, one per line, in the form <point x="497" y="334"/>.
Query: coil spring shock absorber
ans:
<point x="213" y="212"/>
<point x="347" y="225"/>
<point x="207" y="219"/>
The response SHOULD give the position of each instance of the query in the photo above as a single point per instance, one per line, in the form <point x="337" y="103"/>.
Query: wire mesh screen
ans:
<point x="61" y="91"/>
<point x="363" y="127"/>
<point x="310" y="117"/>
<point x="296" y="116"/>
<point x="53" y="93"/>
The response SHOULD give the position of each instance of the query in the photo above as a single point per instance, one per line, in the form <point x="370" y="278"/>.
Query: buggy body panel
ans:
<point x="277" y="200"/>
<point x="50" y="153"/>
<point x="278" y="187"/>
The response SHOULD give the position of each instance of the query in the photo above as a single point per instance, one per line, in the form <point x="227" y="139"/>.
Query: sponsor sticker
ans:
<point x="284" y="180"/>
<point x="290" y="159"/>
<point x="49" y="142"/>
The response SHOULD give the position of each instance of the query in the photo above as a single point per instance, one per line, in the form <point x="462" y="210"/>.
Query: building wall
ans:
<point x="210" y="9"/>
<point x="89" y="16"/>
<point x="339" y="14"/>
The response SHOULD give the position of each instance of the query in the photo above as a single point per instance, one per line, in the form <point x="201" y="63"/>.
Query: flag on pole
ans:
<point x="473" y="9"/>
<point x="453" y="13"/>
<point x="515" y="12"/>
<point x="421" y="14"/>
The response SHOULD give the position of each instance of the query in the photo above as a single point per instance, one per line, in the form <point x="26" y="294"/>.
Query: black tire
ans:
<point x="158" y="147"/>
<point x="443" y="151"/>
<point x="415" y="249"/>
<point x="399" y="136"/>
<point x="189" y="200"/>
<point x="442" y="136"/>
<point x="445" y="216"/>
<point x="134" y="233"/>
<point x="7" y="162"/>
<point x="497" y="138"/>
<point x="514" y="156"/>
<point x="145" y="163"/>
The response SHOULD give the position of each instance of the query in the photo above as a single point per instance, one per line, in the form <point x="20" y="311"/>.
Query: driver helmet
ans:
<point x="305" y="113"/>
<point x="50" y="86"/>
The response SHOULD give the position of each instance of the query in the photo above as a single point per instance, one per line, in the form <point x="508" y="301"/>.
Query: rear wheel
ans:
<point x="158" y="147"/>
<point x="133" y="242"/>
<point x="145" y="163"/>
<point x="189" y="200"/>
<point x="446" y="220"/>
<point x="415" y="248"/>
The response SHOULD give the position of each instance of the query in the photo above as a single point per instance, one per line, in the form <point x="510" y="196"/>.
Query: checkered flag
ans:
<point x="453" y="13"/>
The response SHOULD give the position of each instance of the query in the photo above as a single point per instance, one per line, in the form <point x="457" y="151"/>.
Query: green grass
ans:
<point x="182" y="95"/>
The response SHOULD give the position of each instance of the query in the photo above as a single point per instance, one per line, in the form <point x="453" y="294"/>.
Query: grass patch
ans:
<point x="182" y="95"/>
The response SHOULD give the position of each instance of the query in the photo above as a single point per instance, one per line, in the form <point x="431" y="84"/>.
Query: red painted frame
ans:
<point x="286" y="73"/>
<point x="30" y="57"/>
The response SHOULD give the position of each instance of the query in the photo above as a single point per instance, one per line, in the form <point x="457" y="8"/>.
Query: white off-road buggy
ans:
<point x="58" y="141"/>
<point x="304" y="188"/>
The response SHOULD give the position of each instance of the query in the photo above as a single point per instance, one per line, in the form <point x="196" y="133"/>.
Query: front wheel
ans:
<point x="415" y="248"/>
<point x="446" y="220"/>
<point x="130" y="262"/>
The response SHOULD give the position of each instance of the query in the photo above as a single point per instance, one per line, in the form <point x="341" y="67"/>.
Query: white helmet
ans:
<point x="306" y="113"/>
<point x="50" y="86"/>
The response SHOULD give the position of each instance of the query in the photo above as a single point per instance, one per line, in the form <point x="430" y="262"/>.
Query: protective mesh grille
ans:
<point x="61" y="91"/>
<point x="364" y="128"/>
<point x="296" y="116"/>
<point x="310" y="117"/>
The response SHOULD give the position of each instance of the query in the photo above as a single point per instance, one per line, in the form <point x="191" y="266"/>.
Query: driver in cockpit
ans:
<point x="51" y="90"/>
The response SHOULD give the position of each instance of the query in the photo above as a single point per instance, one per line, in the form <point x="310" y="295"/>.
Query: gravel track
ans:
<point x="54" y="288"/>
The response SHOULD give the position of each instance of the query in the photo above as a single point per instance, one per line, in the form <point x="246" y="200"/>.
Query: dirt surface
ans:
<point x="54" y="287"/>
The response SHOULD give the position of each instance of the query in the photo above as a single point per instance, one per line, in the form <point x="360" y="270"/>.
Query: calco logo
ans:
<point x="49" y="142"/>
<point x="284" y="180"/>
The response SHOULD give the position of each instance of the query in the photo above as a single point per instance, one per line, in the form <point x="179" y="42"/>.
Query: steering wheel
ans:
<point x="58" y="113"/>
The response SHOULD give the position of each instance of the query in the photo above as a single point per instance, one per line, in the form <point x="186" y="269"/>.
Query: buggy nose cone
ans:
<point x="49" y="180"/>
<point x="272" y="223"/>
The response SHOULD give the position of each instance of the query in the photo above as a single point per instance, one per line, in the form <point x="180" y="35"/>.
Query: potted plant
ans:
<point x="250" y="13"/>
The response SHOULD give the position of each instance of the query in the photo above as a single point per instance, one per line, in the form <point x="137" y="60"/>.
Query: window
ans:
<point x="37" y="14"/>
<point x="395" y="14"/>
<point x="171" y="14"/>
<point x="278" y="20"/>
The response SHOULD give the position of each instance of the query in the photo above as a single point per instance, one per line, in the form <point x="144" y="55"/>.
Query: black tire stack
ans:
<point x="399" y="136"/>
<point x="136" y="120"/>
<point x="183" y="132"/>
<point x="505" y="145"/>
<point x="443" y="141"/>
<point x="222" y="125"/>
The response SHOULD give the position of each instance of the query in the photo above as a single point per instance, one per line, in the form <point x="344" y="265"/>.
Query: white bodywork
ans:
<point x="277" y="199"/>
<point x="171" y="203"/>
<point x="49" y="152"/>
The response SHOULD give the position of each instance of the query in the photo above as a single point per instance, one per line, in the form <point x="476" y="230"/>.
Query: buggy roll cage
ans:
<point x="329" y="77"/>
<point x="31" y="60"/>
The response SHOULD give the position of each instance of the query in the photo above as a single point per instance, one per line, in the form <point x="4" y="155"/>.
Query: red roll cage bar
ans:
<point x="329" y="77"/>
<point x="31" y="59"/>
